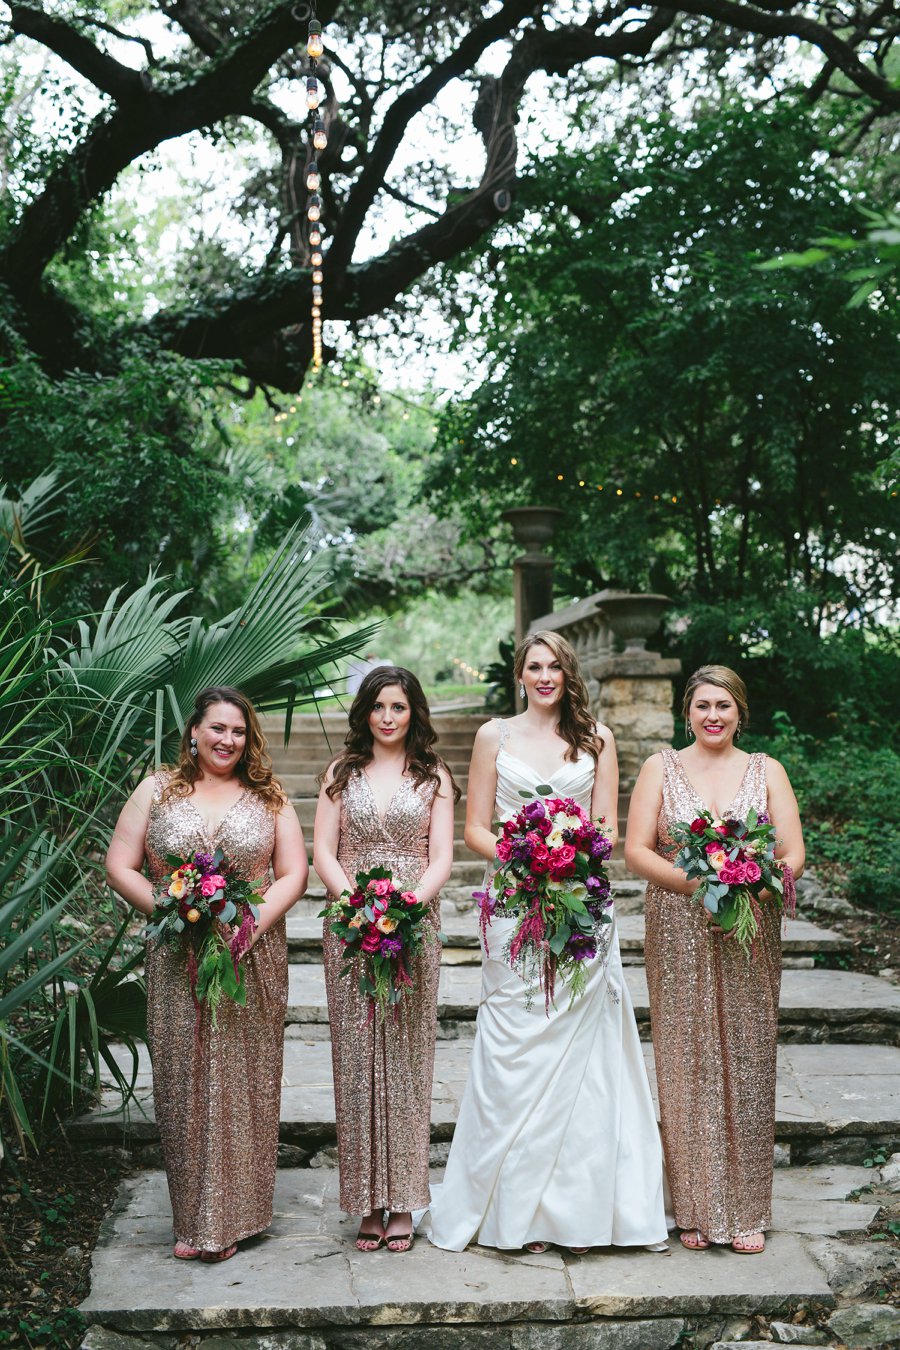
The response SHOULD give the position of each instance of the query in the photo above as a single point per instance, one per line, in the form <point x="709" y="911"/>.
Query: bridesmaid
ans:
<point x="714" y="1014"/>
<point x="217" y="1093"/>
<point x="386" y="801"/>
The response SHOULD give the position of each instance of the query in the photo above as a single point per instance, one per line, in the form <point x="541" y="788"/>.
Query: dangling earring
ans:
<point x="193" y="745"/>
<point x="737" y="734"/>
<point x="688" y="730"/>
<point x="521" y="691"/>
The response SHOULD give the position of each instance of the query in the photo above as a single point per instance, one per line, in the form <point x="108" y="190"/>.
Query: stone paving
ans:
<point x="305" y="1271"/>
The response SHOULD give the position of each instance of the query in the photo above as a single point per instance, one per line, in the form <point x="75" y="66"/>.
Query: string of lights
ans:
<point x="315" y="46"/>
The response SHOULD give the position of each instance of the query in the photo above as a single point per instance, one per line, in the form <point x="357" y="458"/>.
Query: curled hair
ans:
<point x="421" y="761"/>
<point x="254" y="768"/>
<point x="576" y="725"/>
<point x="723" y="677"/>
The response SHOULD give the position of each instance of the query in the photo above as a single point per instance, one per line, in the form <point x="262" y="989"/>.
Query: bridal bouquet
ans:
<point x="735" y="861"/>
<point x="552" y="878"/>
<point x="385" y="928"/>
<point x="200" y="895"/>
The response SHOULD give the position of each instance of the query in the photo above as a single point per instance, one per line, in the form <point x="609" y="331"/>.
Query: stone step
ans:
<point x="802" y="941"/>
<point x="834" y="1103"/>
<point x="816" y="1005"/>
<point x="305" y="1274"/>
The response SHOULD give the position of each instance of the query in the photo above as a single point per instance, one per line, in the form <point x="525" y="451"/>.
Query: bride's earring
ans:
<point x="521" y="691"/>
<point x="193" y="745"/>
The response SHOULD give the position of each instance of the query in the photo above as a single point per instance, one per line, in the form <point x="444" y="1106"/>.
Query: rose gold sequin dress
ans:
<point x="383" y="1071"/>
<point x="217" y="1095"/>
<point x="715" y="1031"/>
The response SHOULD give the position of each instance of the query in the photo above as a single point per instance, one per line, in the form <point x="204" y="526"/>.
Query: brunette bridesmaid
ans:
<point x="217" y="1092"/>
<point x="386" y="801"/>
<point x="714" y="1014"/>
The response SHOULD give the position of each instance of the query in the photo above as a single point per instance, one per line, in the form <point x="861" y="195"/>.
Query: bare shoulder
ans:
<point x="605" y="733"/>
<point x="487" y="736"/>
<point x="776" y="773"/>
<point x="653" y="770"/>
<point x="145" y="792"/>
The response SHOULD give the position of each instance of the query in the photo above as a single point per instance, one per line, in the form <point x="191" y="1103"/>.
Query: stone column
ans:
<point x="635" y="700"/>
<point x="533" y="528"/>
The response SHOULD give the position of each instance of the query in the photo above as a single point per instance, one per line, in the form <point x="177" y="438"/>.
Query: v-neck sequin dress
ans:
<point x="383" y="1071"/>
<point x="715" y="1033"/>
<point x="217" y="1094"/>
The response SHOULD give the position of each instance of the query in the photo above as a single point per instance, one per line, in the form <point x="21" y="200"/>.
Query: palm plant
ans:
<point x="84" y="710"/>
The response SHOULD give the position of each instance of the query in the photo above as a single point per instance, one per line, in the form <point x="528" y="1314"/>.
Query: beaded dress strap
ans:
<point x="503" y="732"/>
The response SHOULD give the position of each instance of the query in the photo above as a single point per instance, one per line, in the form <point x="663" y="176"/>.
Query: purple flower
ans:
<point x="600" y="847"/>
<point x="762" y="818"/>
<point x="597" y="887"/>
<point x="534" y="812"/>
<point x="391" y="946"/>
<point x="205" y="863"/>
<point x="581" y="947"/>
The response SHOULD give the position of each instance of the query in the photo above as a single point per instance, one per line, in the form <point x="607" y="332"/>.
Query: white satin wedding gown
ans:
<point x="557" y="1138"/>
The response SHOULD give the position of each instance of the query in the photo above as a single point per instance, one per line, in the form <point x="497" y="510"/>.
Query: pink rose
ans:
<point x="504" y="850"/>
<point x="380" y="904"/>
<point x="381" y="886"/>
<point x="713" y="848"/>
<point x="562" y="861"/>
<point x="732" y="874"/>
<point x="209" y="885"/>
<point x="751" y="871"/>
<point x="540" y="859"/>
<point x="357" y="899"/>
<point x="371" y="941"/>
<point x="409" y="897"/>
<point x="544" y="826"/>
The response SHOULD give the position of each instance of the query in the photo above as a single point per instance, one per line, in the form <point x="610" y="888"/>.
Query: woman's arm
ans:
<point x="784" y="813"/>
<point x="482" y="792"/>
<point x="125" y="857"/>
<point x="290" y="868"/>
<point x="605" y="797"/>
<point x="326" y="837"/>
<point x="641" y="835"/>
<point x="440" y="842"/>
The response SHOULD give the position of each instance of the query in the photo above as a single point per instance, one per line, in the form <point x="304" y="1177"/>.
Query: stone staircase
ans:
<point x="302" y="1286"/>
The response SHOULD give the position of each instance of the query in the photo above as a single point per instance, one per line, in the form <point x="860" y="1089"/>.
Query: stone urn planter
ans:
<point x="533" y="526"/>
<point x="633" y="618"/>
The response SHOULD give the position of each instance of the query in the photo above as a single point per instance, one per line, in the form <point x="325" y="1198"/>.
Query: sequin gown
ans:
<point x="217" y="1095"/>
<point x="715" y="1032"/>
<point x="383" y="1071"/>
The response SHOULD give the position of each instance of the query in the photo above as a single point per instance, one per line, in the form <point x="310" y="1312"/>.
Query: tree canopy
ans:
<point x="124" y="80"/>
<point x="710" y="429"/>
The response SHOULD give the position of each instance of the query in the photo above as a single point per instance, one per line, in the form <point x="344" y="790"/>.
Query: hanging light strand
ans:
<point x="318" y="136"/>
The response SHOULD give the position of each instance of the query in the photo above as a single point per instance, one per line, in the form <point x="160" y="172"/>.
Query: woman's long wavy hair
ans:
<point x="254" y="768"/>
<point x="422" y="763"/>
<point x="576" y="725"/>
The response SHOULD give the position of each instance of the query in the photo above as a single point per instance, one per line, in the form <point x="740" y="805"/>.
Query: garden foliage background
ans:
<point x="645" y="272"/>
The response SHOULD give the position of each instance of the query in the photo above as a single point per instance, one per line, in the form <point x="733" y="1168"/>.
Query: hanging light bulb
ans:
<point x="314" y="44"/>
<point x="317" y="276"/>
<point x="312" y="92"/>
<point x="313" y="179"/>
<point x="317" y="311"/>
<point x="315" y="236"/>
<point x="320" y="136"/>
<point x="314" y="209"/>
<point x="315" y="259"/>
<point x="317" y="295"/>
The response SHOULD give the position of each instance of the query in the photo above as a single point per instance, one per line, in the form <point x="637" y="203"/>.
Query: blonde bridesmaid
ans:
<point x="386" y="801"/>
<point x="714" y="1015"/>
<point x="217" y="1092"/>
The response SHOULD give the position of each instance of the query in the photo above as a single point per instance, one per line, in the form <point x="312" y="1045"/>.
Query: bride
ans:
<point x="557" y="1138"/>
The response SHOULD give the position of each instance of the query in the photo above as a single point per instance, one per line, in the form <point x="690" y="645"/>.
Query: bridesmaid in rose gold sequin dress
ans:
<point x="714" y="1015"/>
<point x="382" y="815"/>
<point x="216" y="1093"/>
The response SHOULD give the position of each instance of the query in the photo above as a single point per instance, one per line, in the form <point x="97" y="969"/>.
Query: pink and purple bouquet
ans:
<point x="203" y="904"/>
<point x="381" y="929"/>
<point x="736" y="864"/>
<point x="553" y="879"/>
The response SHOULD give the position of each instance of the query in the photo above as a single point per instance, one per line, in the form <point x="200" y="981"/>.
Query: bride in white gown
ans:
<point x="557" y="1138"/>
